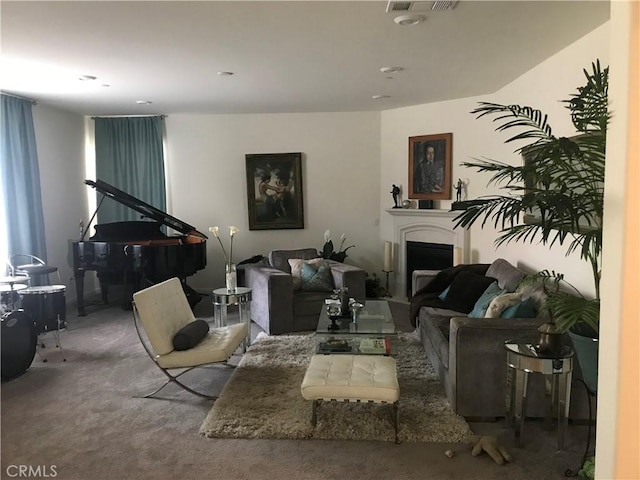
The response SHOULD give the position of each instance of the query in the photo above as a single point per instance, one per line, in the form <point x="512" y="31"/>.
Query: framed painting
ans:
<point x="430" y="167"/>
<point x="274" y="191"/>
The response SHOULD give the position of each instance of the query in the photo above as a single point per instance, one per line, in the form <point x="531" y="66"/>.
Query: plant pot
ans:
<point x="585" y="344"/>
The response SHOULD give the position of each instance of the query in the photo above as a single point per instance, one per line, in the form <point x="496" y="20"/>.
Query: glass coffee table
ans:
<point x="374" y="333"/>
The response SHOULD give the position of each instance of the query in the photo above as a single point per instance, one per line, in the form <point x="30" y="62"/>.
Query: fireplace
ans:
<point x="426" y="256"/>
<point x="424" y="226"/>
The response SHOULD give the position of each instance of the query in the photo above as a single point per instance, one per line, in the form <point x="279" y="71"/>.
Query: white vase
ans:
<point x="231" y="278"/>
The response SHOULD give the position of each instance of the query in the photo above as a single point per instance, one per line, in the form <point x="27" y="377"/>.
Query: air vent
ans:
<point x="398" y="6"/>
<point x="444" y="5"/>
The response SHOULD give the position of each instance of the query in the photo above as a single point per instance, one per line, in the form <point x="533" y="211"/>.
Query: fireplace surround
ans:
<point x="427" y="226"/>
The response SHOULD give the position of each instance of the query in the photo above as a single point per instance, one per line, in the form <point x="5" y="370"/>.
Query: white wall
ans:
<point x="542" y="87"/>
<point x="60" y="143"/>
<point x="341" y="175"/>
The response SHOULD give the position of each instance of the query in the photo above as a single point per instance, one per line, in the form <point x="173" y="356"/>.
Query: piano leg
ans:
<point x="104" y="290"/>
<point x="80" y="292"/>
<point x="130" y="285"/>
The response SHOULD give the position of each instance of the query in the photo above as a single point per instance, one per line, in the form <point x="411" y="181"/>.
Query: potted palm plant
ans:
<point x="555" y="196"/>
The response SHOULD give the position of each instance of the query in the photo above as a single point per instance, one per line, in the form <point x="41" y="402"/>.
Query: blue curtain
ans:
<point x="20" y="179"/>
<point x="130" y="157"/>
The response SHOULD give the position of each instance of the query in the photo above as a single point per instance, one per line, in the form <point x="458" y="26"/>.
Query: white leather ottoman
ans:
<point x="352" y="378"/>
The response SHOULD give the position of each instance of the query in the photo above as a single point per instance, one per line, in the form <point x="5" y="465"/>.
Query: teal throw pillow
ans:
<point x="319" y="280"/>
<point x="443" y="295"/>
<point x="480" y="308"/>
<point x="524" y="309"/>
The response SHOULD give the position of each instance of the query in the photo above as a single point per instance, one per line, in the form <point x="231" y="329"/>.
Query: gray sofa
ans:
<point x="279" y="308"/>
<point x="468" y="353"/>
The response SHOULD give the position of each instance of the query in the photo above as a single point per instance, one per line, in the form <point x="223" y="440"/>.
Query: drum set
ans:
<point x="27" y="313"/>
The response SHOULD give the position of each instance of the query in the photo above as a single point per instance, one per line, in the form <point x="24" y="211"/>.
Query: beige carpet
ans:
<point x="262" y="400"/>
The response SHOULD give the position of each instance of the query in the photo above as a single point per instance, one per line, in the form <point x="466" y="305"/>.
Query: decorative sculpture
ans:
<point x="458" y="188"/>
<point x="395" y="191"/>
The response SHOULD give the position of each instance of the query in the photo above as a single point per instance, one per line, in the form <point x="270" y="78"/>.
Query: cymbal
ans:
<point x="17" y="279"/>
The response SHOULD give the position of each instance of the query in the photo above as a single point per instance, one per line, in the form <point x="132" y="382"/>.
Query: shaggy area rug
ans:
<point x="262" y="399"/>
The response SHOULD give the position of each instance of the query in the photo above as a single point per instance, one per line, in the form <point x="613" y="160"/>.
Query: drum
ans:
<point x="19" y="340"/>
<point x="46" y="305"/>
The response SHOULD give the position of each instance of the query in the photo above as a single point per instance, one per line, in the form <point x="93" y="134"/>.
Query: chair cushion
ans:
<point x="217" y="346"/>
<point x="190" y="335"/>
<point x="296" y="269"/>
<point x="319" y="280"/>
<point x="465" y="290"/>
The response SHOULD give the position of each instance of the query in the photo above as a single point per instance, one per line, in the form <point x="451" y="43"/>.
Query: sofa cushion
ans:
<point x="280" y="258"/>
<point x="500" y="303"/>
<point x="480" y="308"/>
<point x="319" y="280"/>
<point x="523" y="309"/>
<point x="296" y="269"/>
<point x="508" y="276"/>
<point x="465" y="290"/>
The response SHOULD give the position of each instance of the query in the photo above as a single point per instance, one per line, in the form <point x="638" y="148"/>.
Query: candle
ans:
<point x="388" y="257"/>
<point x="457" y="256"/>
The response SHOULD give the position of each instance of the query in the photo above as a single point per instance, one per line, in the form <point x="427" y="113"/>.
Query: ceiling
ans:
<point x="300" y="56"/>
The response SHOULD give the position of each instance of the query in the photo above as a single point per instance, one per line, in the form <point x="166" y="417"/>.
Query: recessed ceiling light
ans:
<point x="143" y="102"/>
<point x="86" y="78"/>
<point x="405" y="20"/>
<point x="378" y="97"/>
<point x="391" y="69"/>
<point x="225" y="74"/>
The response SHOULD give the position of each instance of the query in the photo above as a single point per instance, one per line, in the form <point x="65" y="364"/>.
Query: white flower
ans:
<point x="327" y="236"/>
<point x="232" y="231"/>
<point x="343" y="238"/>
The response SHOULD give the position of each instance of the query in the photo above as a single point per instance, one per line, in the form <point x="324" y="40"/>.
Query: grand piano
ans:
<point x="137" y="253"/>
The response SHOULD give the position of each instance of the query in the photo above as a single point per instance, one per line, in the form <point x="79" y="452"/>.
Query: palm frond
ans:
<point x="560" y="184"/>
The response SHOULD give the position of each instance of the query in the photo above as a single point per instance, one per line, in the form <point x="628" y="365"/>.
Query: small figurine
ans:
<point x="458" y="188"/>
<point x="395" y="191"/>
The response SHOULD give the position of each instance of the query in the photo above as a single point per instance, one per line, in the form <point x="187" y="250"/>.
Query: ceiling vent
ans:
<point x="444" y="5"/>
<point x="398" y="6"/>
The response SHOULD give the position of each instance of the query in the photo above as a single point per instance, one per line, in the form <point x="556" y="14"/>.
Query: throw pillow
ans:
<point x="190" y="335"/>
<point x="465" y="290"/>
<point x="296" y="269"/>
<point x="480" y="308"/>
<point x="500" y="303"/>
<point x="444" y="293"/>
<point x="319" y="280"/>
<point x="524" y="309"/>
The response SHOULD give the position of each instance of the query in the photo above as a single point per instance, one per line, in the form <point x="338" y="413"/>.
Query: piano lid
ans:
<point x="144" y="208"/>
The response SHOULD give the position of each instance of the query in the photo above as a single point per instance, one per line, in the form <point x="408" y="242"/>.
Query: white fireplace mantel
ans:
<point x="423" y="225"/>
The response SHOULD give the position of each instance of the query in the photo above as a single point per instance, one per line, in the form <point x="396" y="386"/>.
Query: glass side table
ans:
<point x="242" y="298"/>
<point x="524" y="359"/>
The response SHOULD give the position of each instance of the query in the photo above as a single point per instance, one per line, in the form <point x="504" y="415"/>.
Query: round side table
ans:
<point x="524" y="359"/>
<point x="242" y="298"/>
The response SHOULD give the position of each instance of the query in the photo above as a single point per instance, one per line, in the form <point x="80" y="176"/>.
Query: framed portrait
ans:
<point x="274" y="191"/>
<point x="430" y="167"/>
